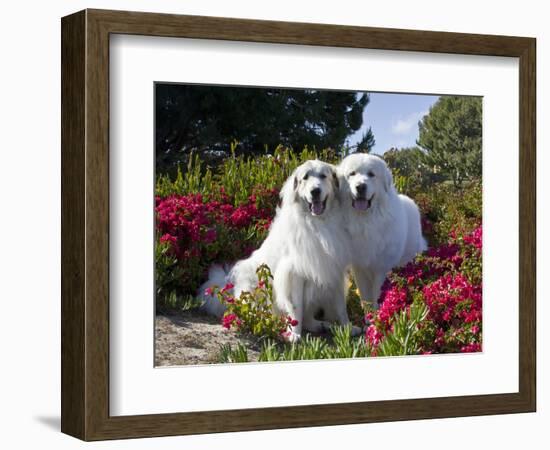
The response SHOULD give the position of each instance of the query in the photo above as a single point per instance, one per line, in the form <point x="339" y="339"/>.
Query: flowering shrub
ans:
<point x="252" y="312"/>
<point x="196" y="233"/>
<point x="446" y="209"/>
<point x="438" y="296"/>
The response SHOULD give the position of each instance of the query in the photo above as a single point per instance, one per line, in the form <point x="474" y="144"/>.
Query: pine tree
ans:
<point x="206" y="119"/>
<point x="451" y="136"/>
<point x="367" y="142"/>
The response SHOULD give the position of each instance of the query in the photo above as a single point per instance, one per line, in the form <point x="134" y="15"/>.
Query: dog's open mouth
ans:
<point x="317" y="207"/>
<point x="362" y="203"/>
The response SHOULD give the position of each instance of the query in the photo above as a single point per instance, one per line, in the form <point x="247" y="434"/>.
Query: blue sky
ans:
<point x="394" y="119"/>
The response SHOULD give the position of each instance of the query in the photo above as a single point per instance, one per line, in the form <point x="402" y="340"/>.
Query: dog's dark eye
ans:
<point x="322" y="176"/>
<point x="306" y="176"/>
<point x="351" y="174"/>
<point x="370" y="174"/>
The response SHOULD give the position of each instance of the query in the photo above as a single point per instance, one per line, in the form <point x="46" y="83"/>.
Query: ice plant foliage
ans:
<point x="446" y="283"/>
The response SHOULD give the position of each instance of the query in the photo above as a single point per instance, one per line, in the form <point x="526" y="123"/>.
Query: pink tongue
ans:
<point x="361" y="204"/>
<point x="317" y="208"/>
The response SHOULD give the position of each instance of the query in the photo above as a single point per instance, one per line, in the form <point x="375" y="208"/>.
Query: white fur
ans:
<point x="306" y="250"/>
<point x="384" y="236"/>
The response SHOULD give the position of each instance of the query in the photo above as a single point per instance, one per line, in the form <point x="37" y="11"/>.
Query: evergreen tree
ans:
<point x="367" y="142"/>
<point x="206" y="119"/>
<point x="451" y="137"/>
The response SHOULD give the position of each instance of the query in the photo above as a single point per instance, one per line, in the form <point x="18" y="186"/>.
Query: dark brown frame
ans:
<point x="85" y="224"/>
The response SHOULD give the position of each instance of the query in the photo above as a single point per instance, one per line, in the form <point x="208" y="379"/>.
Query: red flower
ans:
<point x="394" y="300"/>
<point x="373" y="335"/>
<point x="227" y="287"/>
<point x="471" y="348"/>
<point x="168" y="238"/>
<point x="228" y="320"/>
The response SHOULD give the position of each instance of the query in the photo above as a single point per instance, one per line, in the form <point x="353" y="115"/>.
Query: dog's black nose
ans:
<point x="315" y="193"/>
<point x="361" y="189"/>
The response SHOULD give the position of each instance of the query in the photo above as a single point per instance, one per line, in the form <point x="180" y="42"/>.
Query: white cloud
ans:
<point x="405" y="125"/>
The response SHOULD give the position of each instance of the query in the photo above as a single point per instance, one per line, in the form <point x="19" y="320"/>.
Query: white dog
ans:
<point x="384" y="226"/>
<point x="306" y="250"/>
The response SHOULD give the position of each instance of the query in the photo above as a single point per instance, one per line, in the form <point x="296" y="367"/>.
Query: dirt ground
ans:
<point x="194" y="338"/>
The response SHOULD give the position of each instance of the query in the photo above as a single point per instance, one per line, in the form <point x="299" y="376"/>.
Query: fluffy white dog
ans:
<point x="384" y="226"/>
<point x="306" y="250"/>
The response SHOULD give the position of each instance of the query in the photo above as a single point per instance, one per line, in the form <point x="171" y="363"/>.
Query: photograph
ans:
<point x="307" y="224"/>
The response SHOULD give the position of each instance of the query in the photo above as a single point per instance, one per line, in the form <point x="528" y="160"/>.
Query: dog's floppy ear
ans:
<point x="289" y="192"/>
<point x="335" y="179"/>
<point x="339" y="183"/>
<point x="340" y="177"/>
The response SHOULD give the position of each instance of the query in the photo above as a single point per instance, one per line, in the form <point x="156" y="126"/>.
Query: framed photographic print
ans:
<point x="271" y="224"/>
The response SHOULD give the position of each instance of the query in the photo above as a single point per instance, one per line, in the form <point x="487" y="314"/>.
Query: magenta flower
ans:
<point x="373" y="335"/>
<point x="443" y="280"/>
<point x="227" y="287"/>
<point x="228" y="320"/>
<point x="471" y="348"/>
<point x="292" y="322"/>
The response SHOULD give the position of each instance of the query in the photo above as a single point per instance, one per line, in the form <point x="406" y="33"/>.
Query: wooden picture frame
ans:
<point x="85" y="224"/>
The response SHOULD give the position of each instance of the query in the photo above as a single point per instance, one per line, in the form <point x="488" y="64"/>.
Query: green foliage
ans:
<point x="230" y="355"/>
<point x="240" y="175"/>
<point x="204" y="119"/>
<point x="357" y="308"/>
<point x="411" y="174"/>
<point x="168" y="274"/>
<point x="309" y="348"/>
<point x="343" y="345"/>
<point x="407" y="336"/>
<point x="447" y="208"/>
<point x="451" y="135"/>
<point x="197" y="179"/>
<point x="167" y="278"/>
<point x="402" y="183"/>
